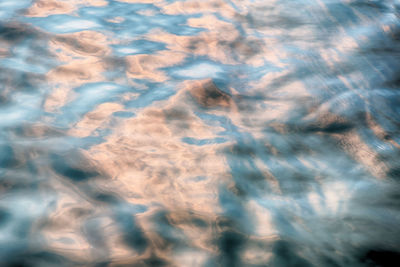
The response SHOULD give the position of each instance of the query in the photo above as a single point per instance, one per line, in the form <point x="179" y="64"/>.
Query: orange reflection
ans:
<point x="84" y="57"/>
<point x="147" y="66"/>
<point x="149" y="164"/>
<point x="141" y="1"/>
<point x="81" y="44"/>
<point x="146" y="156"/>
<point x="221" y="42"/>
<point x="44" y="8"/>
<point x="205" y="6"/>
<point x="361" y="152"/>
<point x="205" y="44"/>
<point x="96" y="119"/>
<point x="63" y="229"/>
<point x="4" y="52"/>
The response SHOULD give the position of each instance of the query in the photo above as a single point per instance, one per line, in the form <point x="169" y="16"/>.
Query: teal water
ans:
<point x="199" y="133"/>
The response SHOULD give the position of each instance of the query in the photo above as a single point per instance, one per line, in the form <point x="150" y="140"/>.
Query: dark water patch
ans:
<point x="393" y="82"/>
<point x="81" y="46"/>
<point x="15" y="80"/>
<point x="230" y="244"/>
<point x="198" y="222"/>
<point x="286" y="255"/>
<point x="331" y="128"/>
<point x="394" y="173"/>
<point x="38" y="131"/>
<point x="7" y="157"/>
<point x="171" y="237"/>
<point x="73" y="166"/>
<point x="176" y="114"/>
<point x="376" y="257"/>
<point x="5" y="216"/>
<point x="374" y="5"/>
<point x="133" y="236"/>
<point x="154" y="261"/>
<point x="179" y="118"/>
<point x="15" y="32"/>
<point x="208" y="95"/>
<point x="43" y="258"/>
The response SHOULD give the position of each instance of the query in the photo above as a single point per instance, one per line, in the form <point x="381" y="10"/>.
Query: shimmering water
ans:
<point x="199" y="133"/>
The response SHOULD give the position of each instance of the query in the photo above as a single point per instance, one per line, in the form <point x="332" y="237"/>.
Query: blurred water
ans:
<point x="199" y="133"/>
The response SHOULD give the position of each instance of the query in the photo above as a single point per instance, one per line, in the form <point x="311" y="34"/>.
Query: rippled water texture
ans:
<point x="199" y="133"/>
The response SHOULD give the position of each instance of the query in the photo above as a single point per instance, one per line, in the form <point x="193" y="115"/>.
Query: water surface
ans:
<point x="199" y="133"/>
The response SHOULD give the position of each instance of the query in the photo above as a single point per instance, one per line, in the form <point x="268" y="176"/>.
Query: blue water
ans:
<point x="199" y="133"/>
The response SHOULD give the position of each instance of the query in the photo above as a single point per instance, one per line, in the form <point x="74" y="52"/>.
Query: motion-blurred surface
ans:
<point x="199" y="133"/>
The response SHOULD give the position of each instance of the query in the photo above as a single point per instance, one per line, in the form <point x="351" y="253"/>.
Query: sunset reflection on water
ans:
<point x="199" y="133"/>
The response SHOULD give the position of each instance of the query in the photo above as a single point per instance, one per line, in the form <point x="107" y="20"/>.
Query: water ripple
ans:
<point x="199" y="133"/>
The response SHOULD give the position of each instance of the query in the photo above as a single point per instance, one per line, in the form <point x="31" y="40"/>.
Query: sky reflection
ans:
<point x="199" y="133"/>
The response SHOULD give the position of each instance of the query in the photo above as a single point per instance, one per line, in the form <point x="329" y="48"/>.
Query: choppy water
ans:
<point x="199" y="133"/>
